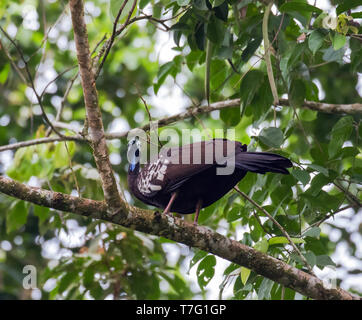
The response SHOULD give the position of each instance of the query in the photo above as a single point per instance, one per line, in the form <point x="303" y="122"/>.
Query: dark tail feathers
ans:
<point x="262" y="162"/>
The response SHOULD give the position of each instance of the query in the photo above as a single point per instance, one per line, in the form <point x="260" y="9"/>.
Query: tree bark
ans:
<point x="94" y="117"/>
<point x="183" y="232"/>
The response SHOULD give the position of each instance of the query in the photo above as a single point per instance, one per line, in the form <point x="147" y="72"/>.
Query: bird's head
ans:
<point x="133" y="154"/>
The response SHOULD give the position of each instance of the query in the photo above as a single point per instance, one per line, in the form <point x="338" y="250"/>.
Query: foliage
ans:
<point x="216" y="45"/>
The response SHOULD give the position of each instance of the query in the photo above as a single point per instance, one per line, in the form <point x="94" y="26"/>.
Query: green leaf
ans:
<point x="262" y="101"/>
<point x="230" y="116"/>
<point x="341" y="132"/>
<point x="165" y="69"/>
<point x="200" y="36"/>
<point x="324" y="202"/>
<point x="143" y="3"/>
<point x="197" y="257"/>
<point x="61" y="156"/>
<point x="192" y="59"/>
<point x="88" y="277"/>
<point x="250" y="49"/>
<point x="225" y="52"/>
<point x="244" y="274"/>
<point x="16" y="216"/>
<point x="297" y="52"/>
<point x="272" y="137"/>
<point x="299" y="10"/>
<point x="297" y="93"/>
<point x="319" y="168"/>
<point x="262" y="245"/>
<point x="216" y="3"/>
<point x="312" y="93"/>
<point x="206" y="270"/>
<point x="318" y="22"/>
<point x="311" y="258"/>
<point x="200" y="4"/>
<point x="169" y="68"/>
<point x="298" y="6"/>
<point x="115" y="6"/>
<point x="215" y="30"/>
<point x="339" y="40"/>
<point x="356" y="15"/>
<point x="41" y="212"/>
<point x="331" y="55"/>
<point x="222" y="10"/>
<point x="250" y="85"/>
<point x="301" y="175"/>
<point x="315" y="40"/>
<point x="183" y="3"/>
<point x="324" y="260"/>
<point x="347" y="5"/>
<point x="265" y="289"/>
<point x="313" y="232"/>
<point x="349" y="152"/>
<point x="4" y="73"/>
<point x="284" y="240"/>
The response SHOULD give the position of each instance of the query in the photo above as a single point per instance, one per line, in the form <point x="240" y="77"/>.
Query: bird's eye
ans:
<point x="137" y="153"/>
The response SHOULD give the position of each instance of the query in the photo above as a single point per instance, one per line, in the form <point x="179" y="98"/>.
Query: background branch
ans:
<point x="190" y="112"/>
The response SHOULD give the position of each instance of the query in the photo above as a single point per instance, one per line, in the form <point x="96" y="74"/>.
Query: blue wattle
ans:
<point x="132" y="166"/>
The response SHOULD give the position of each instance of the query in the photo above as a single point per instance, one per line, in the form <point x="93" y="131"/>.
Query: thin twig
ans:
<point x="318" y="223"/>
<point x="55" y="79"/>
<point x="114" y="32"/>
<point x="351" y="197"/>
<point x="33" y="142"/>
<point x="14" y="65"/>
<point x="71" y="169"/>
<point x="62" y="103"/>
<point x="30" y="79"/>
<point x="149" y="116"/>
<point x="245" y="196"/>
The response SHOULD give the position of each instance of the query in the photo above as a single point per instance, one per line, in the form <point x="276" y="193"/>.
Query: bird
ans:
<point x="191" y="177"/>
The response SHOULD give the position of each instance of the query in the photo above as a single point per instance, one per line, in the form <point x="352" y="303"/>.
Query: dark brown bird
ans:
<point x="188" y="178"/>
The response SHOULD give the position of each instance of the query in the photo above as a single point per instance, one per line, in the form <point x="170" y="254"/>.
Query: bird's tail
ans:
<point x="262" y="162"/>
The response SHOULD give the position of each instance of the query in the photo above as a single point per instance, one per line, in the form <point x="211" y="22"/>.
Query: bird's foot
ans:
<point x="168" y="213"/>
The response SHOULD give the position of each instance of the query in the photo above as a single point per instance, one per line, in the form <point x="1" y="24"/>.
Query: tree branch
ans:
<point x="23" y="144"/>
<point x="94" y="117"/>
<point x="353" y="108"/>
<point x="30" y="81"/>
<point x="191" y="112"/>
<point x="183" y="232"/>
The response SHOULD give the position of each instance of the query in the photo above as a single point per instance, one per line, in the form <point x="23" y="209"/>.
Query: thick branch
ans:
<point x="181" y="231"/>
<point x="96" y="131"/>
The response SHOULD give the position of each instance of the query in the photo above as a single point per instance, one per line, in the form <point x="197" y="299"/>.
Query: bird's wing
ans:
<point x="174" y="166"/>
